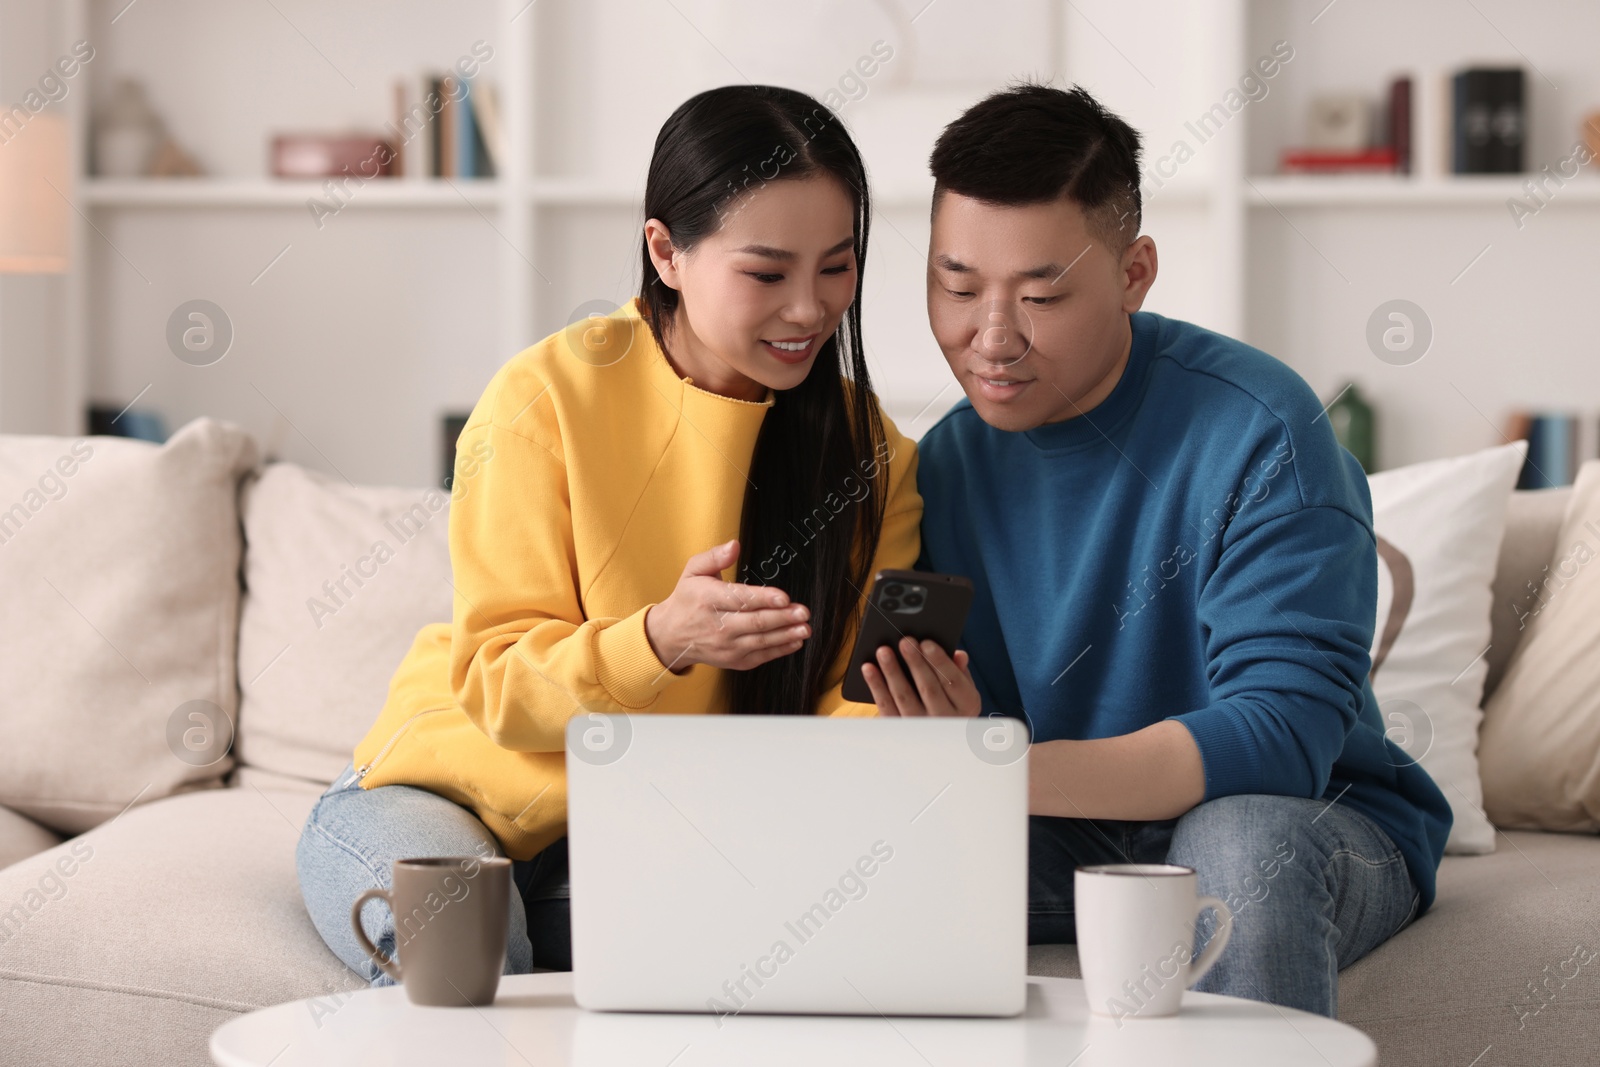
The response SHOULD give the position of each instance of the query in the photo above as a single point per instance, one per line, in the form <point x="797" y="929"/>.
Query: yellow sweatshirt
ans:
<point x="587" y="475"/>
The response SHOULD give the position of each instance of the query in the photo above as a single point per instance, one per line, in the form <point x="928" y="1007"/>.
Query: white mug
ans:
<point x="1136" y="933"/>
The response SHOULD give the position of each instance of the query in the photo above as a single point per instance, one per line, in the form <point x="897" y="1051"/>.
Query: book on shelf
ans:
<point x="1487" y="120"/>
<point x="1473" y="121"/>
<point x="486" y="110"/>
<point x="470" y="154"/>
<point x="444" y="131"/>
<point x="466" y="153"/>
<point x="1386" y="150"/>
<point x="140" y="424"/>
<point x="1399" y="123"/>
<point x="447" y="127"/>
<point x="1556" y="446"/>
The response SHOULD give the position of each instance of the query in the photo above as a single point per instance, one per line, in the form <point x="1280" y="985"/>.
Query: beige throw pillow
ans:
<point x="120" y="565"/>
<point x="1540" y="747"/>
<point x="338" y="580"/>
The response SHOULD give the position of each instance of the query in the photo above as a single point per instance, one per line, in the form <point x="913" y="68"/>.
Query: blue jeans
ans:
<point x="354" y="835"/>
<point x="1313" y="887"/>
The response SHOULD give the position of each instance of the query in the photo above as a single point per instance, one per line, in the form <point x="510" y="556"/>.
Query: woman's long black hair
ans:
<point x="820" y="438"/>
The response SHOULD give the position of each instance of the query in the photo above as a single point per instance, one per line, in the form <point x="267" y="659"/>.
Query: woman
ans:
<point x="607" y="480"/>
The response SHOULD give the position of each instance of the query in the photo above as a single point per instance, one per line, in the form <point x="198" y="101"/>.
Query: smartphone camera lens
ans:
<point x="913" y="600"/>
<point x="890" y="604"/>
<point x="893" y="590"/>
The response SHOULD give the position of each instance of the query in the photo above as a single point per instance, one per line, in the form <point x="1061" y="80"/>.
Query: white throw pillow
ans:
<point x="1439" y="527"/>
<point x="338" y="580"/>
<point x="119" y="560"/>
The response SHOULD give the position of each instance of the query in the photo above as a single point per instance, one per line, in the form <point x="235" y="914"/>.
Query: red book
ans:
<point x="1313" y="161"/>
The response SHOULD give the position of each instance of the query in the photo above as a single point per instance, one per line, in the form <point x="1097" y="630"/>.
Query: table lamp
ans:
<point x="34" y="220"/>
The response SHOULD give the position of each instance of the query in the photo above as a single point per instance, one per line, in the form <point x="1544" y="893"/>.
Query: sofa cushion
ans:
<point x="176" y="917"/>
<point x="1507" y="935"/>
<point x="245" y="776"/>
<point x="338" y="580"/>
<point x="138" y="954"/>
<point x="120" y="564"/>
<point x="1541" y="729"/>
<point x="21" y="837"/>
<point x="1470" y="973"/>
<point x="1533" y="519"/>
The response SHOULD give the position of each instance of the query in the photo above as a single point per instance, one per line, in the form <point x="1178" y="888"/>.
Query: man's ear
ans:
<point x="1138" y="272"/>
<point x="658" y="239"/>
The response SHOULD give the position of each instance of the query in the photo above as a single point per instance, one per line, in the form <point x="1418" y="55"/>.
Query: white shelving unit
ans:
<point x="522" y="203"/>
<point x="512" y="197"/>
<point x="186" y="193"/>
<point x="1258" y="191"/>
<point x="1341" y="191"/>
<point x="438" y="192"/>
<point x="1501" y="277"/>
<point x="1292" y="263"/>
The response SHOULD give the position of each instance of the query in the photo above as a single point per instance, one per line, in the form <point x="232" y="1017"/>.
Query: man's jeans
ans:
<point x="354" y="835"/>
<point x="1313" y="887"/>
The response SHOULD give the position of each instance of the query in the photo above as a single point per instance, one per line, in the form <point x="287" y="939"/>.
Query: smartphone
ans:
<point x="915" y="604"/>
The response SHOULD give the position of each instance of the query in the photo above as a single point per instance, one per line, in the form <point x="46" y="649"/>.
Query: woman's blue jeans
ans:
<point x="1313" y="886"/>
<point x="354" y="835"/>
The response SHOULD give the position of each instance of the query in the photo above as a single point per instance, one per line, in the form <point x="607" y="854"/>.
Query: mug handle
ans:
<point x="391" y="967"/>
<point x="1219" y="939"/>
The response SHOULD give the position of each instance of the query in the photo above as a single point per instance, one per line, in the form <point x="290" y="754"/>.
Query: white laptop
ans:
<point x="753" y="864"/>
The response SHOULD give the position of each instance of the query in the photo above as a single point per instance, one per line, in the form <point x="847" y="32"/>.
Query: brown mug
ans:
<point x="451" y="923"/>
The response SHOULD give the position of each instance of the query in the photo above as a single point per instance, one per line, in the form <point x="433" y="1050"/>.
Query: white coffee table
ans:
<point x="534" y="1021"/>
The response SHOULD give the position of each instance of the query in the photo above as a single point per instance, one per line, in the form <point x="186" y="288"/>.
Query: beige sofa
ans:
<point x="284" y="599"/>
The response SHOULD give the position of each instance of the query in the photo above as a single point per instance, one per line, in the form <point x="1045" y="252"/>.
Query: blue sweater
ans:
<point x="1198" y="547"/>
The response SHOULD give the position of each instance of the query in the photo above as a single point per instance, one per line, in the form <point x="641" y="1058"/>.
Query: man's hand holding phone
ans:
<point x="939" y="684"/>
<point x="921" y="614"/>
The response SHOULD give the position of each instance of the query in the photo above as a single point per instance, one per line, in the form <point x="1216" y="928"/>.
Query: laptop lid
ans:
<point x="729" y="864"/>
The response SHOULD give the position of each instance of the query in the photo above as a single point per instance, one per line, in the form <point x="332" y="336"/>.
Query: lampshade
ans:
<point x="34" y="219"/>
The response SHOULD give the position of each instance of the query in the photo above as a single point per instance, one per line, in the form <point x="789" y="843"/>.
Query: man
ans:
<point x="1175" y="569"/>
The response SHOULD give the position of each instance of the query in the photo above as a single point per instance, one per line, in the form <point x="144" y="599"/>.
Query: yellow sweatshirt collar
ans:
<point x="662" y="367"/>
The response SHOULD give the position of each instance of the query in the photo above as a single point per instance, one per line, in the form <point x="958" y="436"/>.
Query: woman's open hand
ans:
<point x="939" y="684"/>
<point x="724" y="624"/>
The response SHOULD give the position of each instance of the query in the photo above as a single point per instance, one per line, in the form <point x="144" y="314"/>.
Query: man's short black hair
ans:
<point x="1032" y="144"/>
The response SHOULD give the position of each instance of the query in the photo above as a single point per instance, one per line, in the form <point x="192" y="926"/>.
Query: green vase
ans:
<point x="1353" y="424"/>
